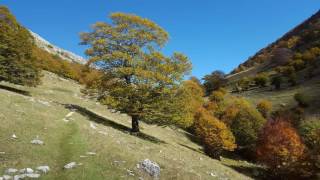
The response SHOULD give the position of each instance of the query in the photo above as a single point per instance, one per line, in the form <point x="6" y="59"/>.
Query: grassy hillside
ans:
<point x="94" y="129"/>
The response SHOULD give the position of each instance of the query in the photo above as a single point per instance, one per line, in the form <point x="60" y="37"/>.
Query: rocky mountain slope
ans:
<point x="301" y="38"/>
<point x="55" y="50"/>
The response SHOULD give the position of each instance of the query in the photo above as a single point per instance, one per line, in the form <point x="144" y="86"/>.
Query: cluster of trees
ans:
<point x="136" y="78"/>
<point x="17" y="64"/>
<point x="21" y="61"/>
<point x="289" y="142"/>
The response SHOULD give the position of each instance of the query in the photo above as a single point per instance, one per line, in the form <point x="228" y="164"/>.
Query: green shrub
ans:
<point x="292" y="79"/>
<point x="309" y="129"/>
<point x="244" y="83"/>
<point x="264" y="107"/>
<point x="244" y="120"/>
<point x="214" y="134"/>
<point x="261" y="79"/>
<point x="217" y="96"/>
<point x="277" y="81"/>
<point x="298" y="64"/>
<point x="302" y="99"/>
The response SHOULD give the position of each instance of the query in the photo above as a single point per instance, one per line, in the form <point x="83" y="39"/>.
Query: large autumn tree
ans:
<point x="17" y="64"/>
<point x="138" y="79"/>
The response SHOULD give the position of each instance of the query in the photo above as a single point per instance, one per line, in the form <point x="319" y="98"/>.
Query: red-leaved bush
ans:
<point x="280" y="147"/>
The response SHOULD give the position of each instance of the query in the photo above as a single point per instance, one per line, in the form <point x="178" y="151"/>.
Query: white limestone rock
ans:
<point x="37" y="142"/>
<point x="43" y="169"/>
<point x="11" y="171"/>
<point x="70" y="165"/>
<point x="150" y="167"/>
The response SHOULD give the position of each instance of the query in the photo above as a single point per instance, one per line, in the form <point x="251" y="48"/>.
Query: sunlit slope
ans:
<point x="68" y="137"/>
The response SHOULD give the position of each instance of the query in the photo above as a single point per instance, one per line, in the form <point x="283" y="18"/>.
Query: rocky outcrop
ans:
<point x="55" y="50"/>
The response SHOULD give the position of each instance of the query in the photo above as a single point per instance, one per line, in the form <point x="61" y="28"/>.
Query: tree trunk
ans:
<point x="135" y="124"/>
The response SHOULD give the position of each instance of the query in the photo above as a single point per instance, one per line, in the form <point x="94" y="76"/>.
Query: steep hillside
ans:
<point x="300" y="39"/>
<point x="295" y="58"/>
<point x="55" y="50"/>
<point x="96" y="138"/>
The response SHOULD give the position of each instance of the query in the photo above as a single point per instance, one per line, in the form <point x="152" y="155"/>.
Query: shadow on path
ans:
<point x="15" y="90"/>
<point x="92" y="116"/>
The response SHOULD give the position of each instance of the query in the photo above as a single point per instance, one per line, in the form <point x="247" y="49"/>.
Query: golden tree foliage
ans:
<point x="190" y="99"/>
<point x="214" y="134"/>
<point x="140" y="79"/>
<point x="264" y="107"/>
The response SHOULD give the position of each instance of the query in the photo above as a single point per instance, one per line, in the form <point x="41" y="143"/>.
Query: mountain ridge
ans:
<point x="55" y="50"/>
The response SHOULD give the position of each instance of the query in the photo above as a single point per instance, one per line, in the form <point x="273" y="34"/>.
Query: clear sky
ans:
<point x="214" y="34"/>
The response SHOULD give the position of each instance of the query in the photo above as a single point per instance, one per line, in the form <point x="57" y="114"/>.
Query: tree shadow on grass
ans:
<point x="258" y="173"/>
<point x="92" y="116"/>
<point x="191" y="148"/>
<point x="15" y="90"/>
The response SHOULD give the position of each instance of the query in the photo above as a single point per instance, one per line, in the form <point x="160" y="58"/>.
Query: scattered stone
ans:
<point x="93" y="126"/>
<point x="200" y="158"/>
<point x="150" y="167"/>
<point x="140" y="178"/>
<point x="130" y="172"/>
<point x="69" y="114"/>
<point x="83" y="156"/>
<point x="43" y="169"/>
<point x="11" y="171"/>
<point x="2" y="152"/>
<point x="26" y="171"/>
<point x="70" y="165"/>
<point x="102" y="132"/>
<point x="212" y="174"/>
<point x="138" y="166"/>
<point x="44" y="102"/>
<point x="20" y="176"/>
<point x="14" y="136"/>
<point x="6" y="177"/>
<point x="33" y="175"/>
<point x="37" y="142"/>
<point x="91" y="153"/>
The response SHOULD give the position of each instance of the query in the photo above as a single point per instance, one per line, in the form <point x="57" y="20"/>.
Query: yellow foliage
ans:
<point x="214" y="134"/>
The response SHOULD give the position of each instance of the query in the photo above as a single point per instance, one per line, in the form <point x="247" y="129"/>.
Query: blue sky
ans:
<point x="214" y="34"/>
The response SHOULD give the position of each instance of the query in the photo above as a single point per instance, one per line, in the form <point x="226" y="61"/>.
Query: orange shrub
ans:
<point x="213" y="133"/>
<point x="279" y="146"/>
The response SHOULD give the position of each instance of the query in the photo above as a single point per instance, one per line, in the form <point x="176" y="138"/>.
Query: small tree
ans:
<point x="189" y="100"/>
<point x="280" y="147"/>
<point x="244" y="83"/>
<point x="277" y="81"/>
<point x="217" y="96"/>
<point x="244" y="120"/>
<point x="261" y="79"/>
<point x="138" y="79"/>
<point x="214" y="134"/>
<point x="264" y="107"/>
<point x="302" y="99"/>
<point x="214" y="81"/>
<point x="310" y="132"/>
